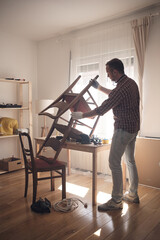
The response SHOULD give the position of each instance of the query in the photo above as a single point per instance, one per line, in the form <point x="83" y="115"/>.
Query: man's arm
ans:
<point x="90" y="114"/>
<point x="96" y="85"/>
<point x="104" y="90"/>
<point x="79" y="115"/>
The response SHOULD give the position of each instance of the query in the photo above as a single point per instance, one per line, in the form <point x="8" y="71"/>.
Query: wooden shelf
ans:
<point x="9" y="136"/>
<point x="22" y="108"/>
<point x="13" y="81"/>
<point x="23" y="97"/>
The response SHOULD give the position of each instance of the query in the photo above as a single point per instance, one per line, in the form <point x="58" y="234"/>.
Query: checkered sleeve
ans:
<point x="113" y="100"/>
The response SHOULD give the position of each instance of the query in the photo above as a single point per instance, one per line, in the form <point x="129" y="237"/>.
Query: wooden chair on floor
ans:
<point x="41" y="164"/>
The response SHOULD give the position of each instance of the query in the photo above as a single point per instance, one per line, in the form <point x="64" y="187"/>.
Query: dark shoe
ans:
<point x="127" y="197"/>
<point x="47" y="202"/>
<point x="41" y="206"/>
<point x="110" y="205"/>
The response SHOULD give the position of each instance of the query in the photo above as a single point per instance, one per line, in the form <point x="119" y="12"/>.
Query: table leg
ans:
<point x="52" y="181"/>
<point x="94" y="179"/>
<point x="69" y="161"/>
<point x="36" y="147"/>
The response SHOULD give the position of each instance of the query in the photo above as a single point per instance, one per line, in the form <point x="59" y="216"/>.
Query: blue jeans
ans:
<point x="123" y="143"/>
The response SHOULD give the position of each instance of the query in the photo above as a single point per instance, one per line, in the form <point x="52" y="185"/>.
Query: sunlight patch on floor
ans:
<point x="103" y="197"/>
<point x="75" y="189"/>
<point x="125" y="209"/>
<point x="98" y="232"/>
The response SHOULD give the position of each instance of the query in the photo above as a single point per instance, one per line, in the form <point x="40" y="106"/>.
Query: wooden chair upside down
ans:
<point x="34" y="165"/>
<point x="71" y="101"/>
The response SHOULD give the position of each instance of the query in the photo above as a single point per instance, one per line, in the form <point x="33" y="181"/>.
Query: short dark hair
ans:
<point x="117" y="64"/>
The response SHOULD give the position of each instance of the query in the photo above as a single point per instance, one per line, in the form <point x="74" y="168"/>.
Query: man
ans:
<point x="124" y="100"/>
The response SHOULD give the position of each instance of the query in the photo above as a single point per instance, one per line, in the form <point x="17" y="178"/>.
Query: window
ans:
<point x="88" y="71"/>
<point x="90" y="52"/>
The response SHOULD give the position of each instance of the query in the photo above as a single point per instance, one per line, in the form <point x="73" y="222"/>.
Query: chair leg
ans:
<point x="52" y="181"/>
<point x="26" y="182"/>
<point x="63" y="182"/>
<point x="34" y="186"/>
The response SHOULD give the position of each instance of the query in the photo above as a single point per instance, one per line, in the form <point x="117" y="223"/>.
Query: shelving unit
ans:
<point x="22" y="94"/>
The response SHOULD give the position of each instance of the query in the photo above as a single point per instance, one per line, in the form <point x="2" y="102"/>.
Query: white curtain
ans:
<point x="91" y="49"/>
<point x="140" y="29"/>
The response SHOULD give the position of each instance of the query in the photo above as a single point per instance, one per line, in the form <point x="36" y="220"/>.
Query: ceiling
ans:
<point x="42" y="19"/>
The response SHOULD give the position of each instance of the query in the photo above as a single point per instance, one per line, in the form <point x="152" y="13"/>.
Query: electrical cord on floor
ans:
<point x="68" y="205"/>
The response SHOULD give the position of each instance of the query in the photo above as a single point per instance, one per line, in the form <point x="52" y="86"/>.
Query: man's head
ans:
<point x="114" y="69"/>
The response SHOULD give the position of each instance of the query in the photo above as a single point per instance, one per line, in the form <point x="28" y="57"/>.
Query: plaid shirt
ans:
<point x="124" y="100"/>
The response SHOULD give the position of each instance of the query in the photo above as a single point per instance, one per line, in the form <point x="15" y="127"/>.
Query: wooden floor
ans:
<point x="18" y="222"/>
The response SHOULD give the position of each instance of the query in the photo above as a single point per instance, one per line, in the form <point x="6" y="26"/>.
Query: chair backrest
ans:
<point x="72" y="102"/>
<point x="27" y="149"/>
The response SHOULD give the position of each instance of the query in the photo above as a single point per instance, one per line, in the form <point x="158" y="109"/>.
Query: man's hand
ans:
<point x="95" y="84"/>
<point x="77" y="115"/>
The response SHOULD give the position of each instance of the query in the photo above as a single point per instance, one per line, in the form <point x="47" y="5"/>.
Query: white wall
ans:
<point x="53" y="67"/>
<point x="151" y="83"/>
<point x="18" y="59"/>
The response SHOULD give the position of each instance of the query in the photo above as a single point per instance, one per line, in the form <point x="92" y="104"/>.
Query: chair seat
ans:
<point x="40" y="163"/>
<point x="43" y="165"/>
